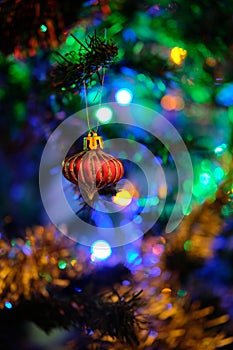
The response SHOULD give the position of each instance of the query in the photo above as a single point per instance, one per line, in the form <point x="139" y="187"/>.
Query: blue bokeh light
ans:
<point x="225" y="95"/>
<point x="8" y="305"/>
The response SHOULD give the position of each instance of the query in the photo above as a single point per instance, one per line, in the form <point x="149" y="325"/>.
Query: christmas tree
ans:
<point x="116" y="194"/>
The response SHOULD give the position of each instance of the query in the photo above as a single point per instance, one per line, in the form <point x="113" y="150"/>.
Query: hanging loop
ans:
<point x="92" y="141"/>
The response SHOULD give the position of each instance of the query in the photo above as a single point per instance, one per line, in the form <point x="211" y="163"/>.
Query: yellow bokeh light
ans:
<point x="162" y="191"/>
<point x="166" y="290"/>
<point x="178" y="55"/>
<point x="122" y="198"/>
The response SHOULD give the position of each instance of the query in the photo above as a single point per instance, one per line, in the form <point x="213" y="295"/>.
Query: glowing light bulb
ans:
<point x="104" y="114"/>
<point x="43" y="28"/>
<point x="219" y="150"/>
<point x="101" y="250"/>
<point x="170" y="103"/>
<point x="8" y="305"/>
<point x="205" y="179"/>
<point x="122" y="198"/>
<point x="124" y="96"/>
<point x="178" y="55"/>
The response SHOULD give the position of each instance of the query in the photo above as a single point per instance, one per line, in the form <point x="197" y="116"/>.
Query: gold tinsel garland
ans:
<point x="29" y="266"/>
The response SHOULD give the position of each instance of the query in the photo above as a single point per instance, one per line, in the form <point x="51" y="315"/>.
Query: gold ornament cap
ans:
<point x="92" y="141"/>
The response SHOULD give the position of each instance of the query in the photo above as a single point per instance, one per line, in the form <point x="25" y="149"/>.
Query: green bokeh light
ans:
<point x="161" y="85"/>
<point x="230" y="114"/>
<point x="219" y="173"/>
<point x="196" y="9"/>
<point x="70" y="40"/>
<point x="200" y="94"/>
<point x="61" y="264"/>
<point x="181" y="293"/>
<point x="43" y="28"/>
<point x="206" y="165"/>
<point x="116" y="28"/>
<point x="20" y="111"/>
<point x="188" y="245"/>
<point x="206" y="180"/>
<point x="227" y="210"/>
<point x="138" y="47"/>
<point x="19" y="73"/>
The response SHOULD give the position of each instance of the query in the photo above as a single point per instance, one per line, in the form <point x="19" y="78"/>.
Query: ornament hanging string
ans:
<point x="102" y="86"/>
<point x="86" y="103"/>
<point x="100" y="90"/>
<point x="101" y="93"/>
<point x="103" y="75"/>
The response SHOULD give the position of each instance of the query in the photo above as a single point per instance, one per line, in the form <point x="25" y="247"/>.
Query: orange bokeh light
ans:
<point x="171" y="103"/>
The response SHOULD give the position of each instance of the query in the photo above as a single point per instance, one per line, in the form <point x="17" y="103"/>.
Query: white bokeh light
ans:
<point x="101" y="250"/>
<point x="104" y="114"/>
<point x="124" y="96"/>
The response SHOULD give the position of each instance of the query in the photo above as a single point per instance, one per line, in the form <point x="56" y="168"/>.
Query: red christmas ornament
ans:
<point x="92" y="169"/>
